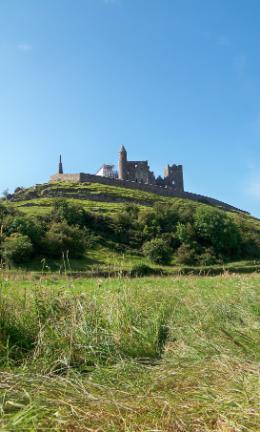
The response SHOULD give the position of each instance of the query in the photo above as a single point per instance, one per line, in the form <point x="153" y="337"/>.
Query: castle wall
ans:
<point x="66" y="177"/>
<point x="159" y="190"/>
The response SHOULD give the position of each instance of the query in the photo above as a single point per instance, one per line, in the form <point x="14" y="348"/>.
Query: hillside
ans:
<point x="93" y="196"/>
<point x="113" y="217"/>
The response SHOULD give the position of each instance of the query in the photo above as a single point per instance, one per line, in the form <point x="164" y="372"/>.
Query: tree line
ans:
<point x="164" y="233"/>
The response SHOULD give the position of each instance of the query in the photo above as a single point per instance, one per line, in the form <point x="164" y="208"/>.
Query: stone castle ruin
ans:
<point x="139" y="171"/>
<point x="137" y="175"/>
<point x="133" y="171"/>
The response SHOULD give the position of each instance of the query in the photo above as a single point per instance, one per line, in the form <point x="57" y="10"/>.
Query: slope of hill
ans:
<point x="111" y="197"/>
<point x="120" y="234"/>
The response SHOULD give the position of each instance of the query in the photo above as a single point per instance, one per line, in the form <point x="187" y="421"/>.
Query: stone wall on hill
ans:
<point x="159" y="190"/>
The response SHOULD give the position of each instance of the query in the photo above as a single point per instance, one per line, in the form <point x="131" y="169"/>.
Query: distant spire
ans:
<point x="60" y="166"/>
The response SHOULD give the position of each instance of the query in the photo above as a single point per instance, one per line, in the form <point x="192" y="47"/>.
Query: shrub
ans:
<point x="29" y="226"/>
<point x="149" y="224"/>
<point x="63" y="210"/>
<point x="158" y="251"/>
<point x="141" y="269"/>
<point x="63" y="238"/>
<point x="17" y="248"/>
<point x="208" y="257"/>
<point x="214" y="228"/>
<point x="186" y="254"/>
<point x="185" y="232"/>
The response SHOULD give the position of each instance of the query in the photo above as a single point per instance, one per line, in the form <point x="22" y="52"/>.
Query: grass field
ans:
<point x="153" y="354"/>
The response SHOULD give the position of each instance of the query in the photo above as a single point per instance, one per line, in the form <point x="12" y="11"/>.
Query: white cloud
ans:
<point x="24" y="47"/>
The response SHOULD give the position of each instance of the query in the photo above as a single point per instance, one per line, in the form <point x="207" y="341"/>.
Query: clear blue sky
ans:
<point x="173" y="80"/>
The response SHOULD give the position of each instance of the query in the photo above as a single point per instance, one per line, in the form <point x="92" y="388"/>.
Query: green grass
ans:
<point x="43" y="206"/>
<point x="90" y="189"/>
<point x="152" y="354"/>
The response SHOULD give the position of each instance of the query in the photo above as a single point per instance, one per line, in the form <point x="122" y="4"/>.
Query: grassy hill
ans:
<point x="110" y="201"/>
<point x="101" y="199"/>
<point x="93" y="196"/>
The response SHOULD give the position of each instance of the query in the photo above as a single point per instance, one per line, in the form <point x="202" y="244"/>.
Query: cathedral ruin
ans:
<point x="137" y="172"/>
<point x="137" y="175"/>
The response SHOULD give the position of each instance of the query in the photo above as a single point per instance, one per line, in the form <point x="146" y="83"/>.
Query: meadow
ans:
<point x="141" y="354"/>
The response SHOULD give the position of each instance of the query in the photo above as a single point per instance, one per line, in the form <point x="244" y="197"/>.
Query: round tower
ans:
<point x="122" y="163"/>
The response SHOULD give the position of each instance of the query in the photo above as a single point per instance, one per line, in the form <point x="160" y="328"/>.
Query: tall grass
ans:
<point x="56" y="331"/>
<point x="151" y="354"/>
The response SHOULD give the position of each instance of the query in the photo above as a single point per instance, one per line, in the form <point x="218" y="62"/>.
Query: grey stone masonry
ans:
<point x="139" y="172"/>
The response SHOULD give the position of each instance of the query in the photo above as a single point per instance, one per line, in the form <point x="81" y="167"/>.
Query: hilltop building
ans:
<point x="139" y="171"/>
<point x="137" y="175"/>
<point x="107" y="171"/>
<point x="131" y="171"/>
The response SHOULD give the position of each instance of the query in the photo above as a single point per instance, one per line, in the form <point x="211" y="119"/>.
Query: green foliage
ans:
<point x="216" y="229"/>
<point x="158" y="251"/>
<point x="17" y="248"/>
<point x="32" y="227"/>
<point x="208" y="257"/>
<point x="187" y="254"/>
<point x="203" y="234"/>
<point x="62" y="238"/>
<point x="141" y="269"/>
<point x="63" y="210"/>
<point x="185" y="233"/>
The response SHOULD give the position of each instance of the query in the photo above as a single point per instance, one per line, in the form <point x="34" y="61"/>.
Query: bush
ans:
<point x="63" y="238"/>
<point x="63" y="210"/>
<point x="17" y="248"/>
<point x="158" y="251"/>
<point x="185" y="232"/>
<point x="215" y="228"/>
<point x="208" y="257"/>
<point x="141" y="269"/>
<point x="28" y="226"/>
<point x="186" y="254"/>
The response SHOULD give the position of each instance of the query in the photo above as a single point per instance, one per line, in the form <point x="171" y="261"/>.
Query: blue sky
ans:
<point x="173" y="80"/>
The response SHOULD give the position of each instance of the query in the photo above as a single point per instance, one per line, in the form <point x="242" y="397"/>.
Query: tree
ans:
<point x="63" y="210"/>
<point x="17" y="248"/>
<point x="158" y="251"/>
<point x="63" y="238"/>
<point x="185" y="233"/>
<point x="187" y="254"/>
<point x="215" y="228"/>
<point x="33" y="227"/>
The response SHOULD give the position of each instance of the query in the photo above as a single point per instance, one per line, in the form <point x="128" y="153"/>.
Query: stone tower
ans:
<point x="122" y="163"/>
<point x="173" y="177"/>
<point x="60" y="166"/>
